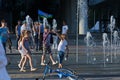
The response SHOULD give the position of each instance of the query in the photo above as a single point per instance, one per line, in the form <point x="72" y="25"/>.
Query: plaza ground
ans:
<point x="90" y="67"/>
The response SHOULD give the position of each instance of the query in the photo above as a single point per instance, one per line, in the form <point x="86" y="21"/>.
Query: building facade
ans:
<point x="73" y="11"/>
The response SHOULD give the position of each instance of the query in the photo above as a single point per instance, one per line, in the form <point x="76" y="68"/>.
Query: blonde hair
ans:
<point x="26" y="32"/>
<point x="21" y="36"/>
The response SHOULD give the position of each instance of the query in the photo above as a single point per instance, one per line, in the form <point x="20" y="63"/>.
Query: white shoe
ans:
<point x="43" y="64"/>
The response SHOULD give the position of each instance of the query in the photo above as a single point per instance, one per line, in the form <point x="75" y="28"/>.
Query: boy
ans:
<point x="47" y="45"/>
<point x="62" y="46"/>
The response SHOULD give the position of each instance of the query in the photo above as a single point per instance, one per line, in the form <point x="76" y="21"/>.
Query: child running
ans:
<point x="63" y="45"/>
<point x="25" y="50"/>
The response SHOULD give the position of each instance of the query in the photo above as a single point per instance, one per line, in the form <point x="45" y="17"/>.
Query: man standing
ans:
<point x="36" y="33"/>
<point x="41" y="31"/>
<point x="18" y="32"/>
<point x="64" y="28"/>
<point x="4" y="34"/>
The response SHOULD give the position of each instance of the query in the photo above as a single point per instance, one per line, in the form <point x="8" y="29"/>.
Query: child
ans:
<point x="62" y="46"/>
<point x="47" y="46"/>
<point x="26" y="51"/>
<point x="23" y="57"/>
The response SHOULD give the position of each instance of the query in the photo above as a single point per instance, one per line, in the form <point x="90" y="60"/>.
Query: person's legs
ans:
<point x="43" y="56"/>
<point x="51" y="58"/>
<point x="36" y="41"/>
<point x="42" y="59"/>
<point x="17" y="41"/>
<point x="60" y="58"/>
<point x="30" y="62"/>
<point x="41" y="42"/>
<point x="10" y="45"/>
<point x="21" y="61"/>
<point x="50" y="53"/>
<point x="23" y="64"/>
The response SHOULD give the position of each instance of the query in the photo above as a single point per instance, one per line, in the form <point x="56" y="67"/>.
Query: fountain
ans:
<point x="112" y="26"/>
<point x="90" y="44"/>
<point x="83" y="16"/>
<point x="55" y="38"/>
<point x="29" y="27"/>
<point x="106" y="44"/>
<point x="115" y="44"/>
<point x="29" y="21"/>
<point x="45" y="22"/>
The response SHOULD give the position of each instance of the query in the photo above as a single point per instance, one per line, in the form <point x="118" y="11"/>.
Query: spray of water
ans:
<point x="90" y="44"/>
<point x="55" y="38"/>
<point x="106" y="44"/>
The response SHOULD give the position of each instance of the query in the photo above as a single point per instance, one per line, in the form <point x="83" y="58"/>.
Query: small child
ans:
<point x="22" y="52"/>
<point x="26" y="51"/>
<point x="62" y="46"/>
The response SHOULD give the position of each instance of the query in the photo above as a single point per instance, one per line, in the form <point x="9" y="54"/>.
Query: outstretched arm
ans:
<point x="58" y="34"/>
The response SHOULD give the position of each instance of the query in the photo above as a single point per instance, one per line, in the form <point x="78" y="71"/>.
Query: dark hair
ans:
<point x="19" y="21"/>
<point x="64" y="21"/>
<point x="46" y="27"/>
<point x="2" y="21"/>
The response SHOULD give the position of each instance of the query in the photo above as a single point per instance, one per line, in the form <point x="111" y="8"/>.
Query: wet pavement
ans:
<point x="90" y="66"/>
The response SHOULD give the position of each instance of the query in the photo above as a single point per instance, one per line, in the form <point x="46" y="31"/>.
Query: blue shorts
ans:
<point x="60" y="56"/>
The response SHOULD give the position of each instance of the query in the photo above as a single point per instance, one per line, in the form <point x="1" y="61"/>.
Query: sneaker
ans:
<point x="33" y="69"/>
<point x="54" y="63"/>
<point x="19" y="66"/>
<point x="22" y="70"/>
<point x="43" y="64"/>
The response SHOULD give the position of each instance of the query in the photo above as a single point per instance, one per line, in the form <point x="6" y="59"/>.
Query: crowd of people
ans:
<point x="31" y="34"/>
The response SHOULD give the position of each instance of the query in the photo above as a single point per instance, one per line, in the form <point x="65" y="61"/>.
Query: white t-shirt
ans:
<point x="62" y="45"/>
<point x="64" y="29"/>
<point x="25" y="28"/>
